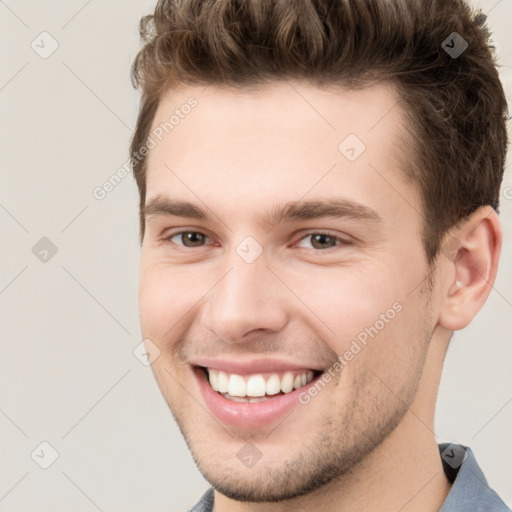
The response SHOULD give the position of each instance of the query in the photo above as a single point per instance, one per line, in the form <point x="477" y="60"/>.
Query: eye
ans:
<point x="317" y="240"/>
<point x="189" y="239"/>
<point x="321" y="241"/>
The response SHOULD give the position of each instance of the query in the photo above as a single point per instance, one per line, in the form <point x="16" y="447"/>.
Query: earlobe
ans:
<point x="473" y="259"/>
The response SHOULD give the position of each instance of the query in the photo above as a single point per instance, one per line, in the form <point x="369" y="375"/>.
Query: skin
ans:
<point x="366" y="441"/>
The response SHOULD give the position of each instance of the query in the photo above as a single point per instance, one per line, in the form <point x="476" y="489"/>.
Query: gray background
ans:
<point x="69" y="325"/>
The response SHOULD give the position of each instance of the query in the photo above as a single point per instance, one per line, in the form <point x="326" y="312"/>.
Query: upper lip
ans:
<point x="248" y="366"/>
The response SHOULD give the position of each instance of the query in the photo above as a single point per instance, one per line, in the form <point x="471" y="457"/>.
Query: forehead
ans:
<point x="278" y="142"/>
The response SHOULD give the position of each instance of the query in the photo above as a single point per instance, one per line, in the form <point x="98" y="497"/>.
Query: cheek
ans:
<point x="169" y="295"/>
<point x="389" y="347"/>
<point x="349" y="301"/>
<point x="369" y="318"/>
<point x="162" y="298"/>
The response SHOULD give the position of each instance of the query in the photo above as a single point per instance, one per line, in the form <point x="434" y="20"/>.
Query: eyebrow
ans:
<point x="292" y="211"/>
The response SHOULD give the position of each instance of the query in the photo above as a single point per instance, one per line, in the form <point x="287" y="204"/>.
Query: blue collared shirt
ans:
<point x="470" y="491"/>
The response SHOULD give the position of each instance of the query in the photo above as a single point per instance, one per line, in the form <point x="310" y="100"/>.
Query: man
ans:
<point x="319" y="186"/>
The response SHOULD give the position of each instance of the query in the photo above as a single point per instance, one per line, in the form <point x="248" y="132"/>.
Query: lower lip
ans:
<point x="247" y="415"/>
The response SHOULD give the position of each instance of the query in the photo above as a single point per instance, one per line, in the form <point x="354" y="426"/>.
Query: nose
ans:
<point x="248" y="299"/>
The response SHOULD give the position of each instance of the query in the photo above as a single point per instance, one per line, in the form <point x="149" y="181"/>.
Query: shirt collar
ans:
<point x="470" y="490"/>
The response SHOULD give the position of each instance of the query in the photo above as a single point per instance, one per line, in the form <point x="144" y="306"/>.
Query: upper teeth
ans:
<point x="257" y="385"/>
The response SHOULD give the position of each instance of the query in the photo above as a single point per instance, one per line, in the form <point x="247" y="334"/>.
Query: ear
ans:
<point x="472" y="261"/>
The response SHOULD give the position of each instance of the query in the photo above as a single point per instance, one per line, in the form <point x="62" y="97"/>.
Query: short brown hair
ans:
<point x="455" y="103"/>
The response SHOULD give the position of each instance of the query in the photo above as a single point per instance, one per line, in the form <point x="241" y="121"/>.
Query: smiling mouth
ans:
<point x="257" y="387"/>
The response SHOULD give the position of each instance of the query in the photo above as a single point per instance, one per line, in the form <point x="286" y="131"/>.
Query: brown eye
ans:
<point x="320" y="241"/>
<point x="189" y="239"/>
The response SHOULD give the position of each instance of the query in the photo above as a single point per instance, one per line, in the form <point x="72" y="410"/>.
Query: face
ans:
<point x="282" y="259"/>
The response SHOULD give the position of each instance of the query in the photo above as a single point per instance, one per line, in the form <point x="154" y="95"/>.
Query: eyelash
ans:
<point x="340" y="240"/>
